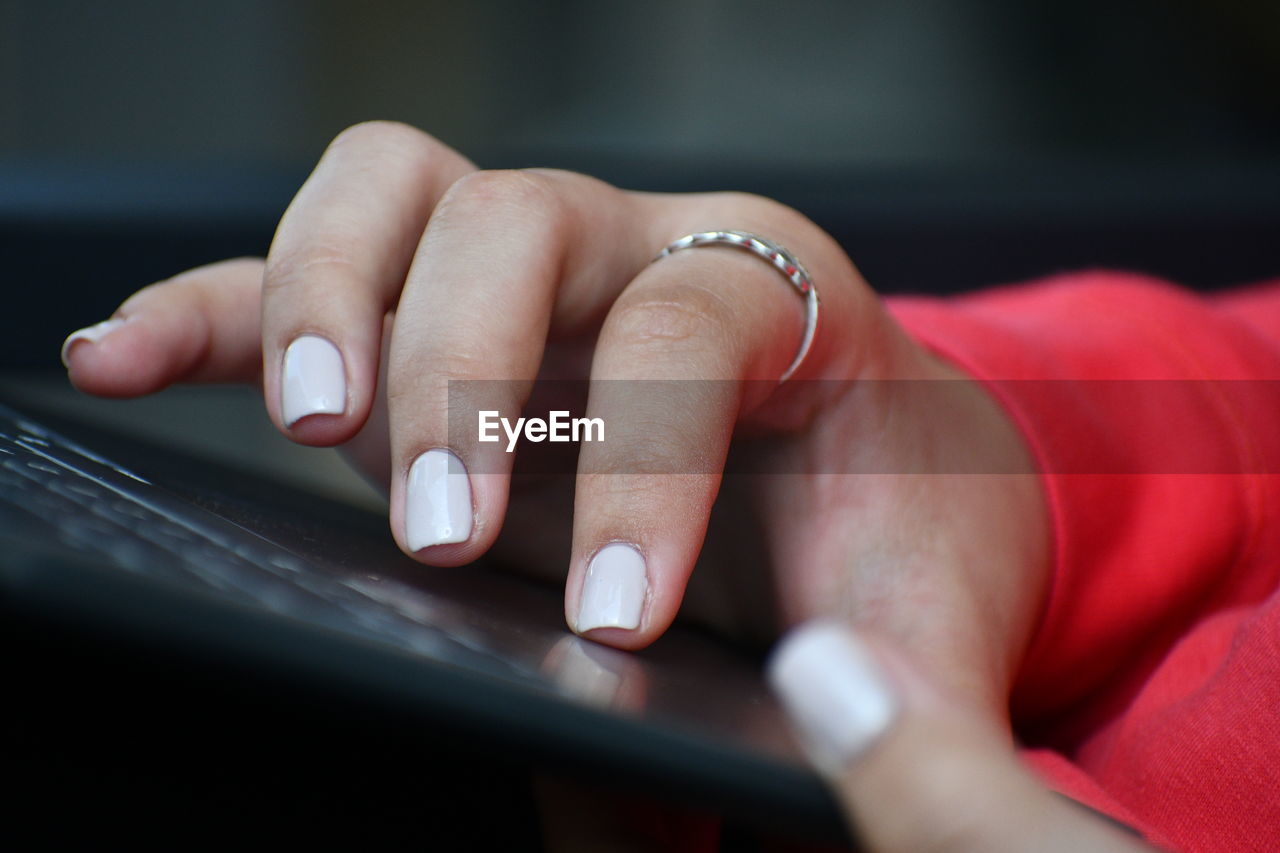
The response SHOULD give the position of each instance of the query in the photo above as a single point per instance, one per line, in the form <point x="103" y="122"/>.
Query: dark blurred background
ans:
<point x="948" y="143"/>
<point x="807" y="84"/>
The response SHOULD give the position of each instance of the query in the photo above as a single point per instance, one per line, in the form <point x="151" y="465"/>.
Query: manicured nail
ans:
<point x="92" y="334"/>
<point x="437" y="507"/>
<point x="314" y="381"/>
<point x="836" y="693"/>
<point x="614" y="589"/>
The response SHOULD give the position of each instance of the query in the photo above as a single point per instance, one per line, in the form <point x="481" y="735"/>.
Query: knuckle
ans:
<point x="368" y="147"/>
<point x="461" y="362"/>
<point x="621" y="488"/>
<point x="454" y="363"/>
<point x="400" y="393"/>
<point x="668" y="318"/>
<point x="386" y="138"/>
<point x="563" y="180"/>
<point x="415" y="392"/>
<point x="501" y="192"/>
<point x="324" y="259"/>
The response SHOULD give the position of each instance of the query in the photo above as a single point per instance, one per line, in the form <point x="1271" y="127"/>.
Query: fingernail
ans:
<point x="838" y="698"/>
<point x="614" y="589"/>
<point x="437" y="501"/>
<point x="92" y="334"/>
<point x="314" y="381"/>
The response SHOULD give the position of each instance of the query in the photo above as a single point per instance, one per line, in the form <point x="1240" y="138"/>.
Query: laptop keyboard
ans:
<point x="50" y="485"/>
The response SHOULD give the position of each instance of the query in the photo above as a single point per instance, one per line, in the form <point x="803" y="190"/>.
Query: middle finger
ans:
<point x="503" y="253"/>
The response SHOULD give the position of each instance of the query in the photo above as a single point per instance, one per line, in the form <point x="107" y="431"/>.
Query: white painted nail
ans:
<point x="92" y="334"/>
<point x="614" y="589"/>
<point x="838" y="698"/>
<point x="437" y="507"/>
<point x="313" y="381"/>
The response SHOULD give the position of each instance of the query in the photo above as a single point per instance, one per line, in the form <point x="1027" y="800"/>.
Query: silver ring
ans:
<point x="781" y="260"/>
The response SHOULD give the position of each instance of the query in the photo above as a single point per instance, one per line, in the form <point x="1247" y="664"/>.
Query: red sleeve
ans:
<point x="1154" y="417"/>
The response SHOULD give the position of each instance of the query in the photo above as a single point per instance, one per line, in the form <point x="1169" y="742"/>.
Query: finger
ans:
<point x="504" y="251"/>
<point x="666" y="383"/>
<point x="915" y="770"/>
<point x="200" y="326"/>
<point x="336" y="266"/>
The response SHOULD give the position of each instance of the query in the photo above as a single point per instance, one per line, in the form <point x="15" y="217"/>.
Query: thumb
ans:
<point x="915" y="770"/>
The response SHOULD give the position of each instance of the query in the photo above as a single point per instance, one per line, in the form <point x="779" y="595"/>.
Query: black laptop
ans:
<point x="190" y="644"/>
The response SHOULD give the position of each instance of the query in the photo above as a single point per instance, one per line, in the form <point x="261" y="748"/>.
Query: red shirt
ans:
<point x="1151" y="690"/>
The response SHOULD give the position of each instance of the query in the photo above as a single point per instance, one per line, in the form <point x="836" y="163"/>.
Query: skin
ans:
<point x="422" y="269"/>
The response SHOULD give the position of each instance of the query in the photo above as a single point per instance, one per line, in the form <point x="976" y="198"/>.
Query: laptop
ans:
<point x="191" y="641"/>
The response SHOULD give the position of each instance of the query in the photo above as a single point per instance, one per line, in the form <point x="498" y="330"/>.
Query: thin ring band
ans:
<point x="781" y="260"/>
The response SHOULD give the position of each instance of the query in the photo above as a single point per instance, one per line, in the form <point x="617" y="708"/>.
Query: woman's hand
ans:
<point x="399" y="261"/>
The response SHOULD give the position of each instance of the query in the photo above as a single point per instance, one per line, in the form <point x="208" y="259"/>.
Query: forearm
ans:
<point x="1141" y="403"/>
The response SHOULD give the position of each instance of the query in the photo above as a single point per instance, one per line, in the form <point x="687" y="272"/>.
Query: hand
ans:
<point x="418" y="269"/>
<point x="916" y="767"/>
